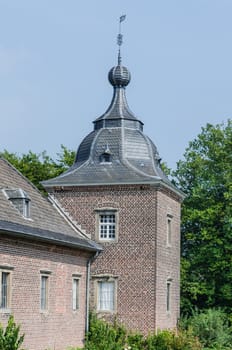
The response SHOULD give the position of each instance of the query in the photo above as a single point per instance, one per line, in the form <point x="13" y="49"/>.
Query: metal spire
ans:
<point x="119" y="39"/>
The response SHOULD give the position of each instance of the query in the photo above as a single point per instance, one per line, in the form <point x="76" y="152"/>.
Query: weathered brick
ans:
<point x="140" y="258"/>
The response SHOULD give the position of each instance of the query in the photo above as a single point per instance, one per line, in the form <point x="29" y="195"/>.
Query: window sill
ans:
<point x="108" y="312"/>
<point x="5" y="311"/>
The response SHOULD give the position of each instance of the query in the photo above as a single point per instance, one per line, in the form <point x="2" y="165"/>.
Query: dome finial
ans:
<point x="119" y="39"/>
<point x="119" y="76"/>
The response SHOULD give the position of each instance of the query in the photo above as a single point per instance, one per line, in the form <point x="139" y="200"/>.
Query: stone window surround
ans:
<point x="169" y="230"/>
<point x="105" y="278"/>
<point x="44" y="276"/>
<point x="6" y="269"/>
<point x="169" y="295"/>
<point x="106" y="211"/>
<point x="76" y="279"/>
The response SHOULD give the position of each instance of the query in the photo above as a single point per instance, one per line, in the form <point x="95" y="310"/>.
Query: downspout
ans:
<point x="89" y="262"/>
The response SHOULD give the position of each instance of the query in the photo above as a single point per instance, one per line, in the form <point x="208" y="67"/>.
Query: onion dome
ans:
<point x="118" y="112"/>
<point x="116" y="151"/>
<point x="119" y="76"/>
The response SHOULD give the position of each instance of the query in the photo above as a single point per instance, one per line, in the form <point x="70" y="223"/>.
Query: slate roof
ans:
<point x="134" y="158"/>
<point x="45" y="222"/>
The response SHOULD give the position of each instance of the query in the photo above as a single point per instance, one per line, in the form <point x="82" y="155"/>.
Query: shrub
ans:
<point x="10" y="339"/>
<point x="169" y="340"/>
<point x="103" y="336"/>
<point x="212" y="327"/>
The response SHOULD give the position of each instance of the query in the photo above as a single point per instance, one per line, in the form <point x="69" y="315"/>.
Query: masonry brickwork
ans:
<point x="60" y="325"/>
<point x="140" y="259"/>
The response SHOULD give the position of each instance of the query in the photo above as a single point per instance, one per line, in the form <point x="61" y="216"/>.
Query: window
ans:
<point x="105" y="158"/>
<point x="107" y="226"/>
<point x="168" y="296"/>
<point x="75" y="293"/>
<point x="20" y="199"/>
<point x="169" y="230"/>
<point x="26" y="208"/>
<point x="5" y="290"/>
<point x="44" y="293"/>
<point x="106" y="296"/>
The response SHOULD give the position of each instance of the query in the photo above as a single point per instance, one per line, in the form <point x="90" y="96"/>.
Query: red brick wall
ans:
<point x="140" y="259"/>
<point x="167" y="261"/>
<point x="60" y="327"/>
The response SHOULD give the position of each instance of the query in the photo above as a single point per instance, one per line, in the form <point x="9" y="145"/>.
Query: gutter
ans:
<point x="89" y="262"/>
<point x="58" y="241"/>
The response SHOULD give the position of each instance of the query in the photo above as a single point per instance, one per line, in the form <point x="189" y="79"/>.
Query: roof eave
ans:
<point x="155" y="182"/>
<point x="39" y="238"/>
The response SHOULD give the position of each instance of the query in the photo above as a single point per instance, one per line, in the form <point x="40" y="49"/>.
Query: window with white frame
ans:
<point x="107" y="226"/>
<point x="5" y="289"/>
<point x="44" y="292"/>
<point x="75" y="293"/>
<point x="106" y="296"/>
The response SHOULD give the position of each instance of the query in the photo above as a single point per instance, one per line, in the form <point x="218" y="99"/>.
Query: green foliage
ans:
<point x="103" y="336"/>
<point x="212" y="327"/>
<point x="10" y="338"/>
<point x="66" y="157"/>
<point x="39" y="167"/>
<point x="205" y="176"/>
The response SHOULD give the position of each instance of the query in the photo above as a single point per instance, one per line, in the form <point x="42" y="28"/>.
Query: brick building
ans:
<point x="44" y="263"/>
<point x="118" y="193"/>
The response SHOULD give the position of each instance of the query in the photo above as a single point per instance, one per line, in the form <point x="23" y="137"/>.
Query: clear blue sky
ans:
<point x="55" y="56"/>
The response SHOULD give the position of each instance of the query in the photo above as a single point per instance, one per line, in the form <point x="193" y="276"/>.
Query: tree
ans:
<point x="205" y="176"/>
<point x="39" y="167"/>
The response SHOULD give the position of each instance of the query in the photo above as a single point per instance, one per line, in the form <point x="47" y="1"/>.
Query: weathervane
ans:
<point x="119" y="39"/>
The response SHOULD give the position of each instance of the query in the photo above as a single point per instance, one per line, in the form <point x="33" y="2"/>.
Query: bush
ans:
<point x="10" y="339"/>
<point x="212" y="327"/>
<point x="103" y="336"/>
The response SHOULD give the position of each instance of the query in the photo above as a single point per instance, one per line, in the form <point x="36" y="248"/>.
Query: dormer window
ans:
<point x="106" y="156"/>
<point x="20" y="200"/>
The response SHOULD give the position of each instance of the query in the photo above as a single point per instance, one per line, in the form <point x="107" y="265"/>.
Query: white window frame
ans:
<point x="109" y="228"/>
<point x="7" y="303"/>
<point x="44" y="290"/>
<point x="75" y="293"/>
<point x="106" y="303"/>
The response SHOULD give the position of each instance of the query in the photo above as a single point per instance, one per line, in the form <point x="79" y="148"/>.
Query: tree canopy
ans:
<point x="39" y="167"/>
<point x="205" y="175"/>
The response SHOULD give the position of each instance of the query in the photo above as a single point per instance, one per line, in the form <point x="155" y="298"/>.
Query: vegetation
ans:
<point x="39" y="167"/>
<point x="10" y="338"/>
<point x="212" y="327"/>
<point x="103" y="336"/>
<point x="205" y="176"/>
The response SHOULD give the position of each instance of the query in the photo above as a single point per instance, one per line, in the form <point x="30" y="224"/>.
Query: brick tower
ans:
<point x="118" y="193"/>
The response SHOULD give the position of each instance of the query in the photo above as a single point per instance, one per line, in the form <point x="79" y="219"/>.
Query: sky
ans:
<point x="55" y="56"/>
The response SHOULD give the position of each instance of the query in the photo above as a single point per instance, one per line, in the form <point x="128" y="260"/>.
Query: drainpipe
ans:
<point x="89" y="262"/>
